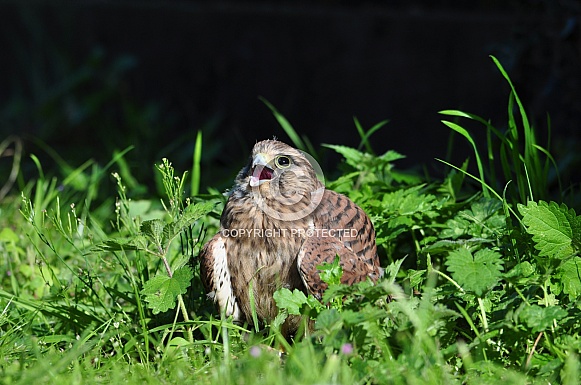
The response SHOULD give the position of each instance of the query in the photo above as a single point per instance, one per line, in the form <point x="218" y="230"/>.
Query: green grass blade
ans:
<point x="491" y="157"/>
<point x="196" y="166"/>
<point x="482" y="182"/>
<point x="286" y="126"/>
<point x="477" y="118"/>
<point x="361" y="132"/>
<point x="123" y="166"/>
<point x="365" y="135"/>
<point x="552" y="161"/>
<point x="310" y="148"/>
<point x="525" y="120"/>
<point x="468" y="137"/>
<point x="38" y="166"/>
<point x="536" y="173"/>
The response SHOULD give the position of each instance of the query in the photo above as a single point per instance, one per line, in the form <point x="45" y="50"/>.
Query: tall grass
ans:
<point x="525" y="165"/>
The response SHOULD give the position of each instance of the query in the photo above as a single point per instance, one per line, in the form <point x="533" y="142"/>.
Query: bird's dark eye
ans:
<point x="282" y="161"/>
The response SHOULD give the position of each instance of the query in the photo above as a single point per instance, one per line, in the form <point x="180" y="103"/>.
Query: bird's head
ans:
<point x="280" y="175"/>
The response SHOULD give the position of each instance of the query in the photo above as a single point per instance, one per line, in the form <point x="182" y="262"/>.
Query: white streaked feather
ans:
<point x="223" y="293"/>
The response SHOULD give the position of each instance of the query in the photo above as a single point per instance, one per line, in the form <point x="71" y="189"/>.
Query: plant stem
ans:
<point x="182" y="306"/>
<point x="181" y="302"/>
<point x="449" y="279"/>
<point x="167" y="266"/>
<point x="530" y="356"/>
<point x="483" y="312"/>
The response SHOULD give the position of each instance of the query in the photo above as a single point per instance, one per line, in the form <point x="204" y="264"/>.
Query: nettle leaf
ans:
<point x="161" y="291"/>
<point x="392" y="269"/>
<point x="191" y="214"/>
<point x="292" y="301"/>
<point x="138" y="242"/>
<point x="482" y="220"/>
<point x="475" y="273"/>
<point x="344" y="184"/>
<point x="521" y="270"/>
<point x="328" y="320"/>
<point x="541" y="318"/>
<point x="331" y="273"/>
<point x="570" y="274"/>
<point x="117" y="244"/>
<point x="161" y="232"/>
<point x="391" y="156"/>
<point x="410" y="201"/>
<point x="314" y="303"/>
<point x="364" y="315"/>
<point x="364" y="161"/>
<point x="485" y="208"/>
<point x="353" y="157"/>
<point x="154" y="230"/>
<point x="455" y="228"/>
<point x="555" y="229"/>
<point x="415" y="277"/>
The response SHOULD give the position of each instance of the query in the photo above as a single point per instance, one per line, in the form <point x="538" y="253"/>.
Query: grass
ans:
<point x="482" y="280"/>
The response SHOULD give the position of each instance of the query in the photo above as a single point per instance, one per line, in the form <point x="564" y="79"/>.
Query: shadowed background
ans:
<point x="87" y="78"/>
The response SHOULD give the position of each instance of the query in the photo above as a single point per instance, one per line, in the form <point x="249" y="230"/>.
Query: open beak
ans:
<point x="260" y="171"/>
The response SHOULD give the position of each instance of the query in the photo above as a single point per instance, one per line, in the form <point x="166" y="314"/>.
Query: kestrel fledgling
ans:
<point x="278" y="225"/>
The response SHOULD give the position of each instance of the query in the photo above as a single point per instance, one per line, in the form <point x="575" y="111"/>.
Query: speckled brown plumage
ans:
<point x="278" y="225"/>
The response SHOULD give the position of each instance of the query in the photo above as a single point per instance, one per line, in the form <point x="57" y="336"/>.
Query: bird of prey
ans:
<point x="278" y="225"/>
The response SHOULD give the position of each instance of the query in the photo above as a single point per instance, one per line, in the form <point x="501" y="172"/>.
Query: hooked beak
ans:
<point x="260" y="171"/>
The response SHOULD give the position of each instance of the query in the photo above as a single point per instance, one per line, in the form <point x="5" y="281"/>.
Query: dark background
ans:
<point x="86" y="78"/>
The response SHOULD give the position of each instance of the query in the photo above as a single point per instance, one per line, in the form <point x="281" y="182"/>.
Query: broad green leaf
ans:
<point x="364" y="161"/>
<point x="411" y="201"/>
<point x="484" y="208"/>
<point x="570" y="274"/>
<point x="552" y="228"/>
<point x="162" y="291"/>
<point x="314" y="303"/>
<point x="138" y="207"/>
<point x="7" y="235"/>
<point x="416" y="277"/>
<point x="278" y="321"/>
<point x="352" y="156"/>
<point x="154" y="230"/>
<point x="575" y="221"/>
<point x="455" y="228"/>
<point x="190" y="215"/>
<point x="523" y="269"/>
<point x="541" y="318"/>
<point x="161" y="233"/>
<point x="476" y="273"/>
<point x="291" y="301"/>
<point x="392" y="269"/>
<point x="178" y="342"/>
<point x="328" y="319"/>
<point x="391" y="156"/>
<point x="198" y="210"/>
<point x="367" y="314"/>
<point x="331" y="273"/>
<point x="482" y="220"/>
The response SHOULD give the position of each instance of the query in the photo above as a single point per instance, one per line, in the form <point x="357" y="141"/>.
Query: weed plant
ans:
<point x="482" y="278"/>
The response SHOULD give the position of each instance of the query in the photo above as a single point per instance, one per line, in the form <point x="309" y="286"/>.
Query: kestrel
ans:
<point x="278" y="225"/>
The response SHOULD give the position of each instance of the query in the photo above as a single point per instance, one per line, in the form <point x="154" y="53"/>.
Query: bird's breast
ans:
<point x="260" y="247"/>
